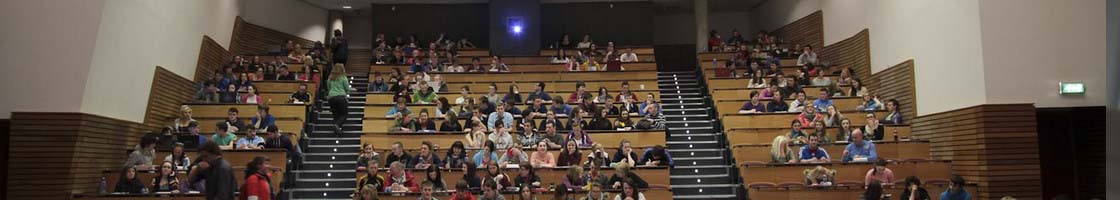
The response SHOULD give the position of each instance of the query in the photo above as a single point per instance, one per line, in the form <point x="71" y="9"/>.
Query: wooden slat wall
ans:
<point x="54" y="155"/>
<point x="897" y="83"/>
<point x="211" y="56"/>
<point x="854" y="52"/>
<point x="250" y="38"/>
<point x="807" y="30"/>
<point x="169" y="90"/>
<point x="994" y="146"/>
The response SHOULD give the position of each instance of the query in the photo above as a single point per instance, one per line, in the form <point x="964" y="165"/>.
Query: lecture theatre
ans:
<point x="560" y="99"/>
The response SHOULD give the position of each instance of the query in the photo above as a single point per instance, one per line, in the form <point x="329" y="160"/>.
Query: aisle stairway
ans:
<point x="357" y="62"/>
<point x="327" y="171"/>
<point x="703" y="168"/>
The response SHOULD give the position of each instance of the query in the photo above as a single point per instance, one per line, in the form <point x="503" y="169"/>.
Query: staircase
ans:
<point x="330" y="161"/>
<point x="357" y="62"/>
<point x="703" y="167"/>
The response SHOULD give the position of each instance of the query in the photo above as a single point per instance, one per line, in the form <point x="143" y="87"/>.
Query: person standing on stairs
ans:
<point x="339" y="48"/>
<point x="338" y="87"/>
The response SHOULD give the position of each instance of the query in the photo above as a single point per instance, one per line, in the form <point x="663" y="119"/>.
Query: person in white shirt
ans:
<point x="799" y="102"/>
<point x="586" y="43"/>
<point x="807" y="56"/>
<point x="629" y="56"/>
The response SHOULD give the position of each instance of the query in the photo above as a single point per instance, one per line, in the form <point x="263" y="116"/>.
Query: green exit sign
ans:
<point x="1071" y="88"/>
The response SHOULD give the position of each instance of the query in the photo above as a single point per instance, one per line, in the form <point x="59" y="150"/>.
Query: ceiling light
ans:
<point x="346" y="7"/>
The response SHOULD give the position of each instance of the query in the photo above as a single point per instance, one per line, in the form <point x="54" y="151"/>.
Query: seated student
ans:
<point x="623" y="123"/>
<point x="500" y="114"/>
<point x="427" y="190"/>
<point x="378" y="84"/>
<point x="284" y="75"/>
<point x="778" y="103"/>
<point x="956" y="189"/>
<point x="476" y="136"/>
<point x="425" y="95"/>
<point x="501" y="137"/>
<point x="224" y="136"/>
<point x="437" y="84"/>
<point x="184" y="123"/>
<point x="263" y="119"/>
<point x="569" y="155"/>
<point x="819" y="176"/>
<point x="250" y="141"/>
<point x="600" y="121"/>
<point x="873" y="130"/>
<point x="536" y="109"/>
<point x="652" y="109"/>
<point x="542" y="157"/>
<point x="576" y="117"/>
<point x="494" y="173"/>
<point x="514" y="95"/>
<point x="813" y="153"/>
<point x="513" y="155"/>
<point x="252" y="96"/>
<point x="832" y="117"/>
<point x="795" y="133"/>
<point x="404" y="123"/>
<point x="578" y="135"/>
<point x="780" y="152"/>
<point x="462" y="191"/>
<point x="656" y="156"/>
<point x="367" y="153"/>
<point x="397" y="154"/>
<point x="167" y="180"/>
<point x="629" y="56"/>
<point x="529" y="135"/>
<point x="141" y="156"/>
<point x="913" y="190"/>
<point x="526" y="176"/>
<point x="823" y="101"/>
<point x="821" y="81"/>
<point x="496" y="65"/>
<point x="464" y="95"/>
<point x="300" y="96"/>
<point x="178" y="157"/>
<point x="752" y="106"/>
<point x="491" y="191"/>
<point x="893" y="114"/>
<point x="799" y="102"/>
<point x="425" y="159"/>
<point x="371" y="178"/>
<point x="598" y="155"/>
<point x="539" y="93"/>
<point x="821" y="131"/>
<point x="623" y="174"/>
<point x="229" y="95"/>
<point x="488" y="154"/>
<point x="578" y="96"/>
<point x="870" y="103"/>
<point x="629" y="105"/>
<point x="399" y="180"/>
<point x="311" y="74"/>
<point x="129" y="182"/>
<point x="880" y="173"/>
<point x="873" y="191"/>
<point x="425" y="123"/>
<point x="560" y="108"/>
<point x="450" y="123"/>
<point x="630" y="191"/>
<point x="243" y="82"/>
<point x="399" y="108"/>
<point x="860" y="150"/>
<point x="511" y="109"/>
<point x="808" y="115"/>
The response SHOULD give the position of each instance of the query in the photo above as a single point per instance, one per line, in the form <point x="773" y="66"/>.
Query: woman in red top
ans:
<point x="257" y="180"/>
<point x="714" y="41"/>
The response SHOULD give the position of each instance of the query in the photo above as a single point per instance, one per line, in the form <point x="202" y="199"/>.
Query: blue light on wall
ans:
<point x="515" y="25"/>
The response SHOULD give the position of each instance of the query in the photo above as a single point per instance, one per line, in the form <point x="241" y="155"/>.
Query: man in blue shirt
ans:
<point x="860" y="150"/>
<point x="813" y="153"/>
<point x="539" y="93"/>
<point x="823" y="101"/>
<point x="506" y="117"/>
<point x="263" y="119"/>
<point x="250" y="141"/>
<point x="956" y="190"/>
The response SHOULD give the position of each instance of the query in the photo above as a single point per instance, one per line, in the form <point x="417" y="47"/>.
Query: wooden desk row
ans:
<point x="549" y="76"/>
<point x="781" y="120"/>
<point x="741" y="82"/>
<point x="766" y="135"/>
<point x="811" y="93"/>
<point x="640" y="50"/>
<point x="841" y="193"/>
<point x="650" y="193"/>
<point x="221" y="110"/>
<point x="113" y="176"/>
<point x="209" y="125"/>
<point x="387" y="97"/>
<point x="724" y="56"/>
<point x="379" y="123"/>
<point x="898" y="150"/>
<point x="732" y="106"/>
<point x="652" y="175"/>
<point x="777" y="173"/>
<point x="637" y="138"/>
<point x="236" y="158"/>
<point x="287" y="87"/>
<point x="542" y="67"/>
<point x="613" y="86"/>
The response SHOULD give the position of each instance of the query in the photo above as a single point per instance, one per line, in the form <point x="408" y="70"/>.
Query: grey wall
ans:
<point x="502" y="40"/>
<point x="626" y="23"/>
<point x="428" y="20"/>
<point x="674" y="28"/>
<point x="358" y="28"/>
<point x="1113" y="43"/>
<point x="724" y="22"/>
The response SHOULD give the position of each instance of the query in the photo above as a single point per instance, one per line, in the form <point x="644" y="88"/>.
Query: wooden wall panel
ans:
<point x="994" y="146"/>
<point x="54" y="155"/>
<point x="854" y="52"/>
<point x="169" y="90"/>
<point x="211" y="56"/>
<point x="897" y="83"/>
<point x="807" y="30"/>
<point x="250" y="38"/>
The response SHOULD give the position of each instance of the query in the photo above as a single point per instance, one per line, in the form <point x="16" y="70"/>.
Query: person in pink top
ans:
<point x="880" y="173"/>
